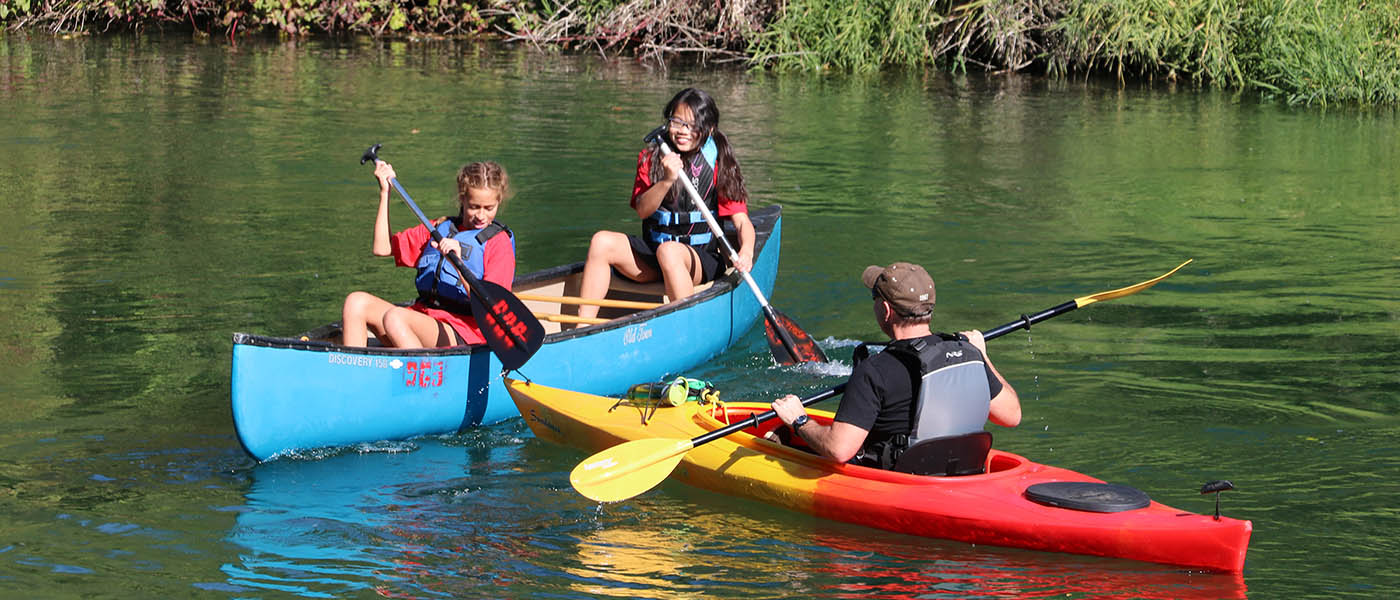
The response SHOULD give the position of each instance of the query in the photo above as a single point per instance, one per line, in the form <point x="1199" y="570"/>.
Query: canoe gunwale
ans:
<point x="764" y="220"/>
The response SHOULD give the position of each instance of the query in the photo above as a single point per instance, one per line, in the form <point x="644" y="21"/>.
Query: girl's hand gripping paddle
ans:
<point x="788" y="342"/>
<point x="510" y="329"/>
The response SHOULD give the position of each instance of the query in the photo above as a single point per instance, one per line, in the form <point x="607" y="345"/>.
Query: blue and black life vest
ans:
<point x="678" y="219"/>
<point x="438" y="284"/>
<point x="951" y="393"/>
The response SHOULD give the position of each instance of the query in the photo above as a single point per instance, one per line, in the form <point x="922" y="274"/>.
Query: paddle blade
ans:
<point x="510" y="329"/>
<point x="804" y="349"/>
<point x="628" y="469"/>
<point x="1083" y="301"/>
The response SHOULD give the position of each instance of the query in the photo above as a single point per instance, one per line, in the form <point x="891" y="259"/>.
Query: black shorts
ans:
<point x="710" y="261"/>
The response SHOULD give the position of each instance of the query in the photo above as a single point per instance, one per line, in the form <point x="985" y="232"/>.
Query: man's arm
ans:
<point x="1006" y="405"/>
<point x="838" y="441"/>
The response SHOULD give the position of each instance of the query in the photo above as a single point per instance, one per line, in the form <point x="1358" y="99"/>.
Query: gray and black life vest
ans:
<point x="951" y="393"/>
<point x="678" y="219"/>
<point x="437" y="281"/>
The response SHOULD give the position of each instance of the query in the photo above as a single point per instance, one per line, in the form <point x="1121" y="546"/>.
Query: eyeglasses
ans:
<point x="679" y="124"/>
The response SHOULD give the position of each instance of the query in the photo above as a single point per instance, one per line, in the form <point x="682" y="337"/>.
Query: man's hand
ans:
<point x="789" y="408"/>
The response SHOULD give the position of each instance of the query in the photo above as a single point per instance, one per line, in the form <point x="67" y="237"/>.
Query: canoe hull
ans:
<point x="291" y="394"/>
<point x="981" y="509"/>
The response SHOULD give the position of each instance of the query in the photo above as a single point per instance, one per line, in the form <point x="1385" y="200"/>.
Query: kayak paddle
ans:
<point x="788" y="342"/>
<point x="510" y="329"/>
<point x="630" y="468"/>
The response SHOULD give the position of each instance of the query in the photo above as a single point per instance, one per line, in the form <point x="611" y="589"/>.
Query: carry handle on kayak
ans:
<point x="630" y="468"/>
<point x="1215" y="487"/>
<point x="510" y="329"/>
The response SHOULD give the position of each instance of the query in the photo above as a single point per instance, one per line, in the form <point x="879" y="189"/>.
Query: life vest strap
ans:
<point x="694" y="239"/>
<point x="445" y="303"/>
<point x="666" y="218"/>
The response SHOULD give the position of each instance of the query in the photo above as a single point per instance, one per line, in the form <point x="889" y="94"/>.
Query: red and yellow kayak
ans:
<point x="991" y="508"/>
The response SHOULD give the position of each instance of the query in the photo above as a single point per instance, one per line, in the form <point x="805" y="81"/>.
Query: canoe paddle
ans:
<point x="510" y="329"/>
<point x="788" y="342"/>
<point x="630" y="468"/>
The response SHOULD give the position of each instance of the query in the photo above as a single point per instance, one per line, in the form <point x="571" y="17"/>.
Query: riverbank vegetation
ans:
<point x="1306" y="51"/>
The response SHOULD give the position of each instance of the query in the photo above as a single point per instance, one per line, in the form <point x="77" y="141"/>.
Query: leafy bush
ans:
<point x="1308" y="51"/>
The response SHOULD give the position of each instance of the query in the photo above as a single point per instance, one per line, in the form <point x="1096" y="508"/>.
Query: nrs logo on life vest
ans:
<point x="953" y="354"/>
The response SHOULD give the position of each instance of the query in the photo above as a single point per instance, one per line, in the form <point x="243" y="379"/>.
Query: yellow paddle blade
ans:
<point x="1083" y="301"/>
<point x="628" y="469"/>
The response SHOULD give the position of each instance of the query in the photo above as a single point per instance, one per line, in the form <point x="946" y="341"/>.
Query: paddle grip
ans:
<point x="371" y="154"/>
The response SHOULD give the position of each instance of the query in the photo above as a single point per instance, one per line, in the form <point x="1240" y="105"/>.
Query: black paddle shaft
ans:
<point x="755" y="420"/>
<point x="496" y="316"/>
<point x="1026" y="321"/>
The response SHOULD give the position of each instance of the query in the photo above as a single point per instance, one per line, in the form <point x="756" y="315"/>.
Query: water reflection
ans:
<point x="392" y="517"/>
<point x="456" y="517"/>
<point x="937" y="570"/>
<point x="621" y="561"/>
<point x="329" y="525"/>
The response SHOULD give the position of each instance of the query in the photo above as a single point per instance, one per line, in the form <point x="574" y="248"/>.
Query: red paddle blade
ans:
<point x="509" y="327"/>
<point x="804" y="349"/>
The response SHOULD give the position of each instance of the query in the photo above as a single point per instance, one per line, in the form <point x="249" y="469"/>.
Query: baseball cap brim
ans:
<point x="871" y="274"/>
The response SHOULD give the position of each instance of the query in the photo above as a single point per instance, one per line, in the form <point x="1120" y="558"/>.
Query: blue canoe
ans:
<point x="309" y="391"/>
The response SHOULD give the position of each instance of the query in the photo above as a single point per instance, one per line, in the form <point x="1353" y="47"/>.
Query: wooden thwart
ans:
<point x="570" y="319"/>
<point x="591" y="301"/>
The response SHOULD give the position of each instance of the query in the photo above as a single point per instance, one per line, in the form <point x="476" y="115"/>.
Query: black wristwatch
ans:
<point x="799" y="422"/>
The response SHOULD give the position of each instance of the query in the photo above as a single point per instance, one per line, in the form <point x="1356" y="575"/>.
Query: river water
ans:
<point x="161" y="193"/>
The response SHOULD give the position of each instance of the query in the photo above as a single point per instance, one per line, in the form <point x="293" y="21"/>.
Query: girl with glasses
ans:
<point x="676" y="245"/>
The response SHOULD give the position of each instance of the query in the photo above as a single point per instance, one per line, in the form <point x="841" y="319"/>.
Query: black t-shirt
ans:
<point x="879" y="397"/>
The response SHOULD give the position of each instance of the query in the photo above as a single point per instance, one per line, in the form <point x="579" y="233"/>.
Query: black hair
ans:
<point x="706" y="113"/>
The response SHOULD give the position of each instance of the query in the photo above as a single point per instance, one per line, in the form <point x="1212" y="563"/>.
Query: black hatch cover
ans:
<point x="1093" y="497"/>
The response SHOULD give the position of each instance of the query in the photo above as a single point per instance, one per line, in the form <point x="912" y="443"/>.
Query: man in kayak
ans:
<point x="923" y="385"/>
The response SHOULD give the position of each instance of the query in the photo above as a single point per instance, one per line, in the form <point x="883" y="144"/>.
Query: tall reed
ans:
<point x="1334" y="51"/>
<point x="1309" y="51"/>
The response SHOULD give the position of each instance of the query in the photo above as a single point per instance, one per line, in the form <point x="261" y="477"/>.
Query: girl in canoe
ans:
<point x="442" y="315"/>
<point x="676" y="245"/>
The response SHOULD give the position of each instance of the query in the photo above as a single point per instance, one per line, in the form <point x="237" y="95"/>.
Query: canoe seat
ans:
<point x="964" y="454"/>
<point x="622" y="288"/>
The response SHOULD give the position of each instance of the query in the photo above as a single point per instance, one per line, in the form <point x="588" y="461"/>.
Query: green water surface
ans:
<point x="161" y="193"/>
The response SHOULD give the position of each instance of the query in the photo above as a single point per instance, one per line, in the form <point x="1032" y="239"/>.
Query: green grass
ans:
<point x="1315" y="52"/>
<point x="1334" y="51"/>
<point x="1308" y="51"/>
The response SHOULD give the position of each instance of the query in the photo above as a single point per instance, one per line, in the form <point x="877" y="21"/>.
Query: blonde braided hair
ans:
<point x="488" y="175"/>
